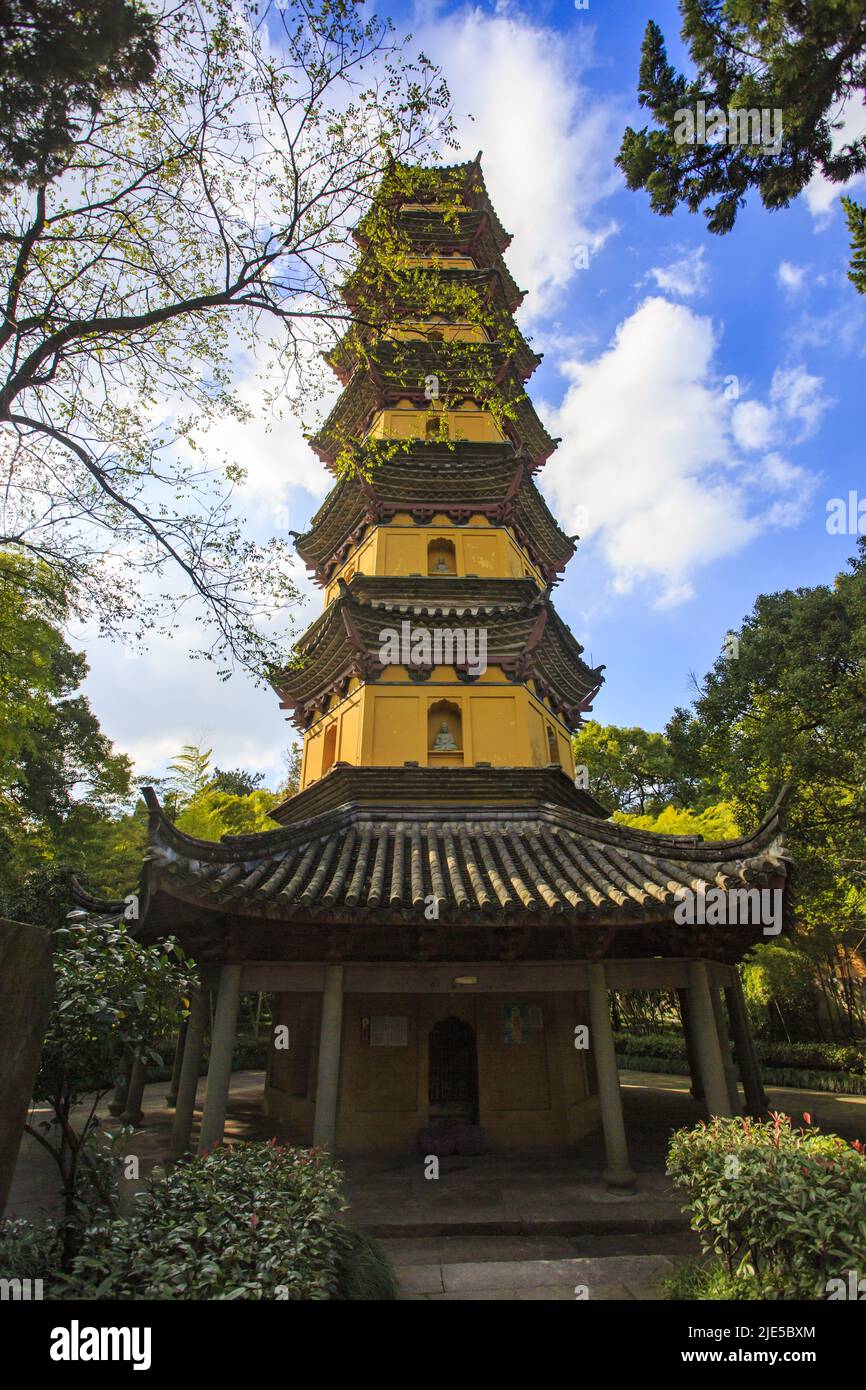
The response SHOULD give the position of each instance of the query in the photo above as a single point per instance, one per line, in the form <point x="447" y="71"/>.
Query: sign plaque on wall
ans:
<point x="519" y="1021"/>
<point x="385" y="1030"/>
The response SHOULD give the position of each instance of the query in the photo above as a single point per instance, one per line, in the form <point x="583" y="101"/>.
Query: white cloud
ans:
<point x="791" y="276"/>
<point x="548" y="144"/>
<point x="653" y="469"/>
<point x="686" y="277"/>
<point x="819" y="193"/>
<point x="753" y="425"/>
<point x="799" y="399"/>
<point x="150" y="706"/>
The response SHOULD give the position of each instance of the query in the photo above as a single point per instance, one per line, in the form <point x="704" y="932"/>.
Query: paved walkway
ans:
<point x="530" y="1225"/>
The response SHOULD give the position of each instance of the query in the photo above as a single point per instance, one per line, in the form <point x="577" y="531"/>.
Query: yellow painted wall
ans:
<point x="402" y="548"/>
<point x="476" y="426"/>
<point x="389" y="723"/>
<point x="542" y="1092"/>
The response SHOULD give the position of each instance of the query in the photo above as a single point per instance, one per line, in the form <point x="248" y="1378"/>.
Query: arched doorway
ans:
<point x="453" y="1084"/>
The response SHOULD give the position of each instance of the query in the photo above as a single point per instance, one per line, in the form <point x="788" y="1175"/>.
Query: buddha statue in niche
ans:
<point x="444" y="741"/>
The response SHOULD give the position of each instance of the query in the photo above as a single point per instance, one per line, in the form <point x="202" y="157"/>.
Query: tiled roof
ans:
<point x="514" y="867"/>
<point x="399" y="371"/>
<point x="347" y="355"/>
<point x="525" y="637"/>
<point x="488" y="479"/>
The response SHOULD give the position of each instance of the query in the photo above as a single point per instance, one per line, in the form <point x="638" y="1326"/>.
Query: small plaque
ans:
<point x="515" y="1024"/>
<point x="389" y="1030"/>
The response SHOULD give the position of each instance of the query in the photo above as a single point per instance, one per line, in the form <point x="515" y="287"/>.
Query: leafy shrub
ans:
<point x="834" y="1082"/>
<point x="255" y="1221"/>
<point x="784" y="1209"/>
<point x="708" y="1280"/>
<point x="364" y="1270"/>
<point x="28" y="1251"/>
<point x="818" y="1066"/>
<point x="818" y="1056"/>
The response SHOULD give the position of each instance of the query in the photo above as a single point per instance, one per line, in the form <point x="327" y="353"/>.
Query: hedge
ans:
<point x="816" y="1056"/>
<point x="781" y="1211"/>
<point x="255" y="1221"/>
<point x="836" y="1068"/>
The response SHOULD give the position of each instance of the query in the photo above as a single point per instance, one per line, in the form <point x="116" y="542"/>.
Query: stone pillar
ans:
<point x="121" y="1090"/>
<point x="330" y="1039"/>
<point x="725" y="1045"/>
<point x="171" y="1093"/>
<point x="707" y="1040"/>
<point x="188" y="1081"/>
<point x="697" y="1087"/>
<point x="132" y="1111"/>
<point x="747" y="1056"/>
<point x="221" y="1048"/>
<point x="618" y="1172"/>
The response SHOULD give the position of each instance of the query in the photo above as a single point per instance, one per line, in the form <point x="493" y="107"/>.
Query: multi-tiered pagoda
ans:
<point x="441" y="909"/>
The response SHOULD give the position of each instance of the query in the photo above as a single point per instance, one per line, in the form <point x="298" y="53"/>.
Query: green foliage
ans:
<point x="628" y="769"/>
<point x="59" y="777"/>
<point x="789" y="708"/>
<point x="364" y="1272"/>
<point x="112" y="996"/>
<point x="840" y="1070"/>
<point x="201" y="216"/>
<point x="708" y="1281"/>
<point x="292" y="758"/>
<point x="803" y="60"/>
<point x="189" y="774"/>
<point x="212" y="814"/>
<point x="713" y="823"/>
<point x="28" y="1251"/>
<point x="780" y="974"/>
<point x="255" y="1221"/>
<point x="783" y="1209"/>
<point x="58" y="63"/>
<point x="856" y="215"/>
<point x="237" y="781"/>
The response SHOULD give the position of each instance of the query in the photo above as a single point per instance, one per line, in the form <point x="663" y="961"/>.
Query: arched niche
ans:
<point x="552" y="750"/>
<point x="329" y="748"/>
<point x="445" y="732"/>
<point x="441" y="556"/>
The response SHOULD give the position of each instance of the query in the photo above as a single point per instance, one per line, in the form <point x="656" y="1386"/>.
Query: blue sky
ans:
<point x="693" y="493"/>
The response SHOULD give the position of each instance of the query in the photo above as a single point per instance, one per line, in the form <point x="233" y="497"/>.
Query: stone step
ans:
<point x="475" y="1249"/>
<point x="609" y="1277"/>
<point x="551" y="1219"/>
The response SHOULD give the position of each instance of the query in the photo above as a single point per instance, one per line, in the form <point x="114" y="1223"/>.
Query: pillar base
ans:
<point x="622" y="1178"/>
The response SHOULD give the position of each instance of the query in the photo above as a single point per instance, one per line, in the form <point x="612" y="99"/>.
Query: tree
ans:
<point x="112" y="997"/>
<point x="212" y="814"/>
<point x="237" y="781"/>
<point x="292" y="758"/>
<point x="58" y="60"/>
<point x="712" y="823"/>
<point x="189" y="774"/>
<point x="192" y="217"/>
<point x="802" y="61"/>
<point x="789" y="708"/>
<point x="59" y="775"/>
<point x="628" y="769"/>
<point x="857" y="226"/>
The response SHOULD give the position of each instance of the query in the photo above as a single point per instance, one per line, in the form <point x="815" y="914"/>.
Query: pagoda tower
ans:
<point x="439" y="645"/>
<point x="440" y="912"/>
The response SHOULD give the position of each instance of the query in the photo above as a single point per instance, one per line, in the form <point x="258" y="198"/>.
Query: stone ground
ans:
<point x="505" y="1226"/>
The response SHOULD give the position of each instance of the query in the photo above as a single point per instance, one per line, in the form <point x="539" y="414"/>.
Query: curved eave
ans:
<point x="505" y="868"/>
<point x="525" y="637"/>
<point x="509" y="498"/>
